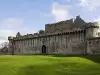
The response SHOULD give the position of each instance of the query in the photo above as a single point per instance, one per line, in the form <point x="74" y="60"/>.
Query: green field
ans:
<point x="49" y="65"/>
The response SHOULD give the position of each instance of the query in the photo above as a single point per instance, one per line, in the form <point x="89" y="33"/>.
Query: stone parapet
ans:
<point x="31" y="36"/>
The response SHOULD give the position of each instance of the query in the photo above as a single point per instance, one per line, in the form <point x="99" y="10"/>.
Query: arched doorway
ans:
<point x="44" y="49"/>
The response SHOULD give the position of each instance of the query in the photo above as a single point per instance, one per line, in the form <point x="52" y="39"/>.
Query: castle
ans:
<point x="70" y="37"/>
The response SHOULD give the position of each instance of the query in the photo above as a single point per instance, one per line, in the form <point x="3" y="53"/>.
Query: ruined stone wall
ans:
<point x="77" y="43"/>
<point x="62" y="43"/>
<point x="65" y="37"/>
<point x="62" y="26"/>
<point x="93" y="46"/>
<point x="10" y="49"/>
<point x="28" y="46"/>
<point x="66" y="43"/>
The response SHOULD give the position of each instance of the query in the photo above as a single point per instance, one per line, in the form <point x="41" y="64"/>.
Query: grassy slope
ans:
<point x="49" y="65"/>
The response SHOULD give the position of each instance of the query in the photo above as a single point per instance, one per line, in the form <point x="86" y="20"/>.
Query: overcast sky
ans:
<point x="29" y="16"/>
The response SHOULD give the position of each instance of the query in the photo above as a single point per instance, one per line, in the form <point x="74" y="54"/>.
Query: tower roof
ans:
<point x="18" y="34"/>
<point x="79" y="21"/>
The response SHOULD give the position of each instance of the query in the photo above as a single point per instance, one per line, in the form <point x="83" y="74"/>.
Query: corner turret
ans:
<point x="18" y="34"/>
<point x="10" y="38"/>
<point x="92" y="29"/>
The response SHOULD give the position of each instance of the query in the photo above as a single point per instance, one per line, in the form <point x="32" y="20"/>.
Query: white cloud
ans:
<point x="64" y="1"/>
<point x="25" y="31"/>
<point x="9" y="27"/>
<point x="67" y="0"/>
<point x="60" y="12"/>
<point x="91" y="5"/>
<point x="4" y="35"/>
<point x="11" y="23"/>
<point x="1" y="42"/>
<point x="97" y="20"/>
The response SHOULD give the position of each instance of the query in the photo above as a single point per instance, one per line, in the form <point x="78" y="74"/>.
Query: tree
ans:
<point x="4" y="44"/>
<point x="41" y="31"/>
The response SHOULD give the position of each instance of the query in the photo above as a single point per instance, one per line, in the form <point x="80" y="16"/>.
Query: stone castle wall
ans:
<point x="71" y="37"/>
<point x="62" y="43"/>
<point x="63" y="26"/>
<point x="93" y="46"/>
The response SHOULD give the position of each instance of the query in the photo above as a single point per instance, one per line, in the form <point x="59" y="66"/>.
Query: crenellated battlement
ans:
<point x="71" y="26"/>
<point x="92" y="25"/>
<point x="10" y="38"/>
<point x="73" y="36"/>
<point x="65" y="26"/>
<point x="60" y="28"/>
<point x="31" y="36"/>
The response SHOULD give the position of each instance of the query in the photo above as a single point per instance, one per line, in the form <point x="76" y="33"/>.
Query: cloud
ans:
<point x="66" y="0"/>
<point x="9" y="27"/>
<point x="1" y="42"/>
<point x="97" y="20"/>
<point x="11" y="23"/>
<point x="91" y="5"/>
<point x="60" y="12"/>
<point x="25" y="31"/>
<point x="4" y="35"/>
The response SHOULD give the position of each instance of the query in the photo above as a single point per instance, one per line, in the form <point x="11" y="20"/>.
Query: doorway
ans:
<point x="44" y="49"/>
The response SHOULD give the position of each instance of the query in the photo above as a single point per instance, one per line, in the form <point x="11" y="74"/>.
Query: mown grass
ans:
<point x="49" y="65"/>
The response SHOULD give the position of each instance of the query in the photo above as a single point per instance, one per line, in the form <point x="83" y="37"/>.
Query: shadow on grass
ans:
<point x="59" y="69"/>
<point x="41" y="70"/>
<point x="94" y="58"/>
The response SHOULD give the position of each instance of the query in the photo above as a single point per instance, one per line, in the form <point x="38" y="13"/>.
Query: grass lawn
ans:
<point x="49" y="65"/>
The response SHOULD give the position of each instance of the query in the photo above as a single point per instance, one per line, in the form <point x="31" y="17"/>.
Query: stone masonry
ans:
<point x="70" y="37"/>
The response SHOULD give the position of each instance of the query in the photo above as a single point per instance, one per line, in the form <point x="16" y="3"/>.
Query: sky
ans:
<point x="29" y="16"/>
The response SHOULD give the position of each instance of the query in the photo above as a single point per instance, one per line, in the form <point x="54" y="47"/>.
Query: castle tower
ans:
<point x="11" y="48"/>
<point x="18" y="34"/>
<point x="92" y="30"/>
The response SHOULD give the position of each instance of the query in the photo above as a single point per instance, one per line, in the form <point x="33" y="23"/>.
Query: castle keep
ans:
<point x="74" y="36"/>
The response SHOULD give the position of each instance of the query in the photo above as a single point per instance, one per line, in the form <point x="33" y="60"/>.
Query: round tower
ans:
<point x="92" y="30"/>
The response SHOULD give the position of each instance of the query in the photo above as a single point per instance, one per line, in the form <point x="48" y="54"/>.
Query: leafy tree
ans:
<point x="41" y="31"/>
